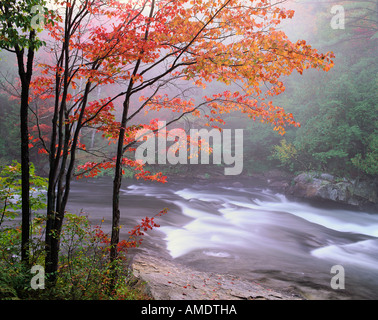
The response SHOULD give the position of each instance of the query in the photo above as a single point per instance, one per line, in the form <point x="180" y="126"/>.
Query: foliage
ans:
<point x="16" y="20"/>
<point x="338" y="110"/>
<point x="368" y="163"/>
<point x="10" y="191"/>
<point x="201" y="58"/>
<point x="286" y="154"/>
<point x="258" y="146"/>
<point x="18" y="33"/>
<point x="85" y="271"/>
<point x="15" y="276"/>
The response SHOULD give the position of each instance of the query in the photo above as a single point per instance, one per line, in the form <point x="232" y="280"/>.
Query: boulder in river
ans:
<point x="325" y="186"/>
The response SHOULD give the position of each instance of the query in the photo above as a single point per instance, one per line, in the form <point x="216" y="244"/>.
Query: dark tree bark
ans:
<point x="117" y="184"/>
<point x="25" y="77"/>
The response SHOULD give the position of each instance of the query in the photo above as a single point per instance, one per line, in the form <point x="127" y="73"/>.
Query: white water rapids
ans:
<point x="254" y="232"/>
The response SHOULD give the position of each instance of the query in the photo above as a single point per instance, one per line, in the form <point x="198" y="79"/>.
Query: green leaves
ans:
<point x="368" y="163"/>
<point x="17" y="19"/>
<point x="286" y="153"/>
<point x="10" y="191"/>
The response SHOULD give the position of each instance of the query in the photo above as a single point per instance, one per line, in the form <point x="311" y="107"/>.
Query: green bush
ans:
<point x="84" y="272"/>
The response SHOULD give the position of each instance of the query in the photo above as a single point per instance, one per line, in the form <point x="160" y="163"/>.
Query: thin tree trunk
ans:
<point x="25" y="183"/>
<point x="114" y="240"/>
<point x="117" y="184"/>
<point x="63" y="181"/>
<point x="59" y="138"/>
<point x="25" y="77"/>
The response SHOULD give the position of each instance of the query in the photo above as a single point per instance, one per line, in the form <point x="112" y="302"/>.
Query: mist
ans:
<point x="241" y="137"/>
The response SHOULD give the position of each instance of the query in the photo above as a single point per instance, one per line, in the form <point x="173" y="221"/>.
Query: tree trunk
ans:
<point x="25" y="184"/>
<point x="118" y="167"/>
<point x="117" y="184"/>
<point x="25" y="77"/>
<point x="61" y="170"/>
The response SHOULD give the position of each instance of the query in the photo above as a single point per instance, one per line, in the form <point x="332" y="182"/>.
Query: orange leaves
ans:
<point x="144" y="174"/>
<point x="228" y="102"/>
<point x="200" y="83"/>
<point x="195" y="31"/>
<point x="42" y="151"/>
<point x="135" y="234"/>
<point x="158" y="102"/>
<point x="92" y="169"/>
<point x="134" y="239"/>
<point x="197" y="41"/>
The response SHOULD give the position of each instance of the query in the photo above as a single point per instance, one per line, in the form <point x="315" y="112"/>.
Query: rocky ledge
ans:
<point x="325" y="186"/>
<point x="168" y="280"/>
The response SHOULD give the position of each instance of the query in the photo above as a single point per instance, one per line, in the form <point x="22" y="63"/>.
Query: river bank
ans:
<point x="170" y="280"/>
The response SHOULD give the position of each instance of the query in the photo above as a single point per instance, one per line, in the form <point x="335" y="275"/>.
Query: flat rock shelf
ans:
<point x="168" y="280"/>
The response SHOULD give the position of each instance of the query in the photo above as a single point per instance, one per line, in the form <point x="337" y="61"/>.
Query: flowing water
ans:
<point x="250" y="232"/>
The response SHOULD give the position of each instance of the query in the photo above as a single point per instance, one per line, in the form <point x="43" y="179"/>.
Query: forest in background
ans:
<point x="338" y="111"/>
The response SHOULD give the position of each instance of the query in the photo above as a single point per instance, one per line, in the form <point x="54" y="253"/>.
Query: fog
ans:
<point x="269" y="149"/>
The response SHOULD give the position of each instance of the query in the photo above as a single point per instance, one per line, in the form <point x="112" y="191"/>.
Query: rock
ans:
<point x="280" y="185"/>
<point x="325" y="186"/>
<point x="237" y="184"/>
<point x="277" y="175"/>
<point x="328" y="177"/>
<point x="168" y="280"/>
<point x="278" y="180"/>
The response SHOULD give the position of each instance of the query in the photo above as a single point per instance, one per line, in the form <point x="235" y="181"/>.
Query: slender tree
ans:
<point x="70" y="112"/>
<point x="18" y="36"/>
<point x="67" y="79"/>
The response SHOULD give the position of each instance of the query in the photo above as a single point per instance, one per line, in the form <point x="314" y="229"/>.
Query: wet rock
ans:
<point x="237" y="184"/>
<point x="327" y="187"/>
<point x="168" y="280"/>
<point x="278" y="180"/>
<point x="328" y="177"/>
<point x="279" y="185"/>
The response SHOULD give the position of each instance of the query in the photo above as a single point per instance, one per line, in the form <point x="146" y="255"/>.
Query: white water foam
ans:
<point x="144" y="190"/>
<point x="218" y="254"/>
<point x="189" y="194"/>
<point x="339" y="220"/>
<point x="191" y="212"/>
<point x="208" y="231"/>
<point x="359" y="253"/>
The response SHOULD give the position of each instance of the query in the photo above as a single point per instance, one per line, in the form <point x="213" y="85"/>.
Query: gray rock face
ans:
<point x="166" y="280"/>
<point x="325" y="186"/>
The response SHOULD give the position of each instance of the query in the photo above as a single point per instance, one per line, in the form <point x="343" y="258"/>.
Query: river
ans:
<point x="251" y="232"/>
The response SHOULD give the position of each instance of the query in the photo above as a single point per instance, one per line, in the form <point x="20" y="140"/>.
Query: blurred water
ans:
<point x="251" y="232"/>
